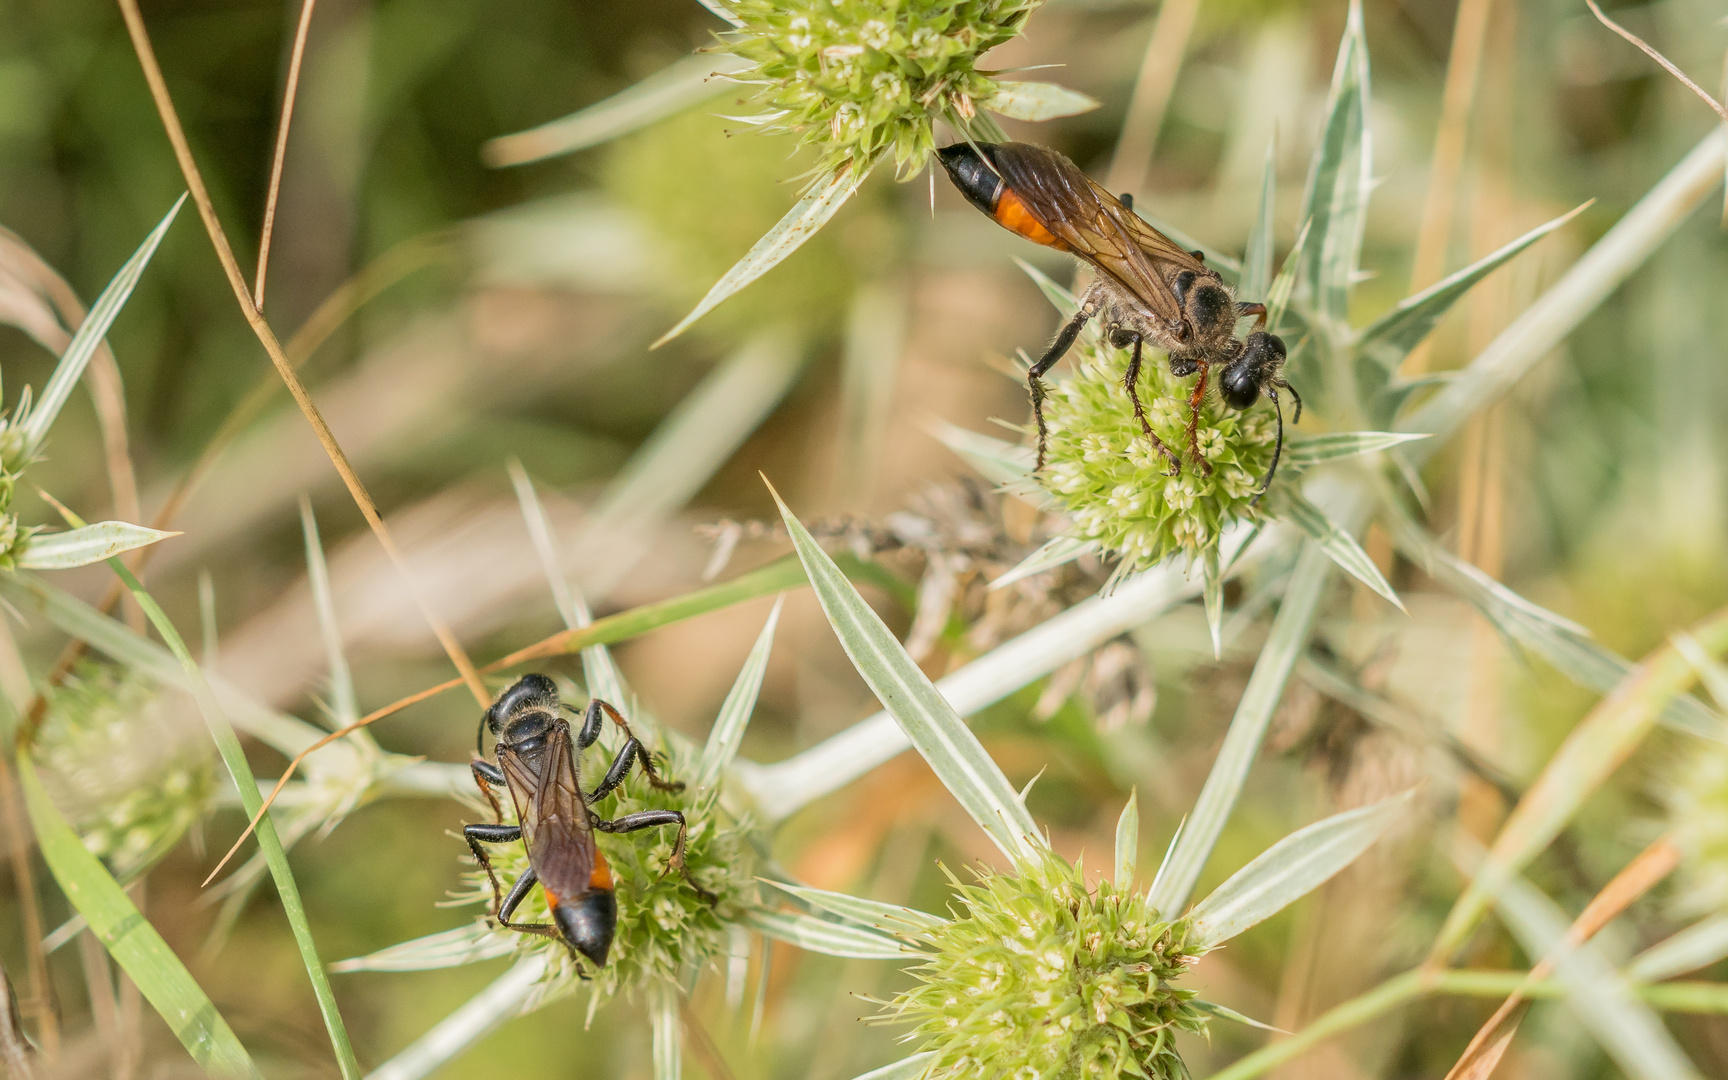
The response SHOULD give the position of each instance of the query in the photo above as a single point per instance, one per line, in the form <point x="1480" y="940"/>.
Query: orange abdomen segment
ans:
<point x="601" y="878"/>
<point x="1012" y="214"/>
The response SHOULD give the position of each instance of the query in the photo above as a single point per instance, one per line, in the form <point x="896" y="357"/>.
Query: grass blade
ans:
<point x="1625" y="1026"/>
<point x="1307" y="451"/>
<point x="1339" y="544"/>
<point x="1336" y="200"/>
<point x="728" y="729"/>
<point x="1290" y="869"/>
<point x="1232" y="1015"/>
<point x="829" y="938"/>
<point x="86" y="545"/>
<point x="1389" y="339"/>
<point x="131" y="940"/>
<point x="449" y="948"/>
<point x="343" y="706"/>
<point x="889" y="918"/>
<point x="1698" y="946"/>
<point x="1037" y="101"/>
<point x="811" y="212"/>
<point x="1257" y="259"/>
<point x="1128" y="843"/>
<point x="667" y="92"/>
<point x="481" y="1015"/>
<point x="1711" y="672"/>
<point x="935" y="729"/>
<point x="34" y="427"/>
<point x="1287" y="641"/>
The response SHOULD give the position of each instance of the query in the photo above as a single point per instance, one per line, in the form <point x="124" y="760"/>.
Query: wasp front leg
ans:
<point x="649" y="819"/>
<point x="486" y="775"/>
<point x="1131" y="383"/>
<point x="1195" y="401"/>
<point x="633" y="749"/>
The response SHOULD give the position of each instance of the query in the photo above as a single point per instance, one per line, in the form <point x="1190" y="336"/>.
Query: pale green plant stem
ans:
<point x="476" y="1019"/>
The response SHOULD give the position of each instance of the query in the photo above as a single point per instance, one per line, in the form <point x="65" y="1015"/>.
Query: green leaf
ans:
<point x="1223" y="1013"/>
<point x="86" y="545"/>
<point x="1389" y="339"/>
<point x="1698" y="946"/>
<point x="1337" y="543"/>
<point x="1056" y="551"/>
<point x="911" y="1068"/>
<point x="1257" y="259"/>
<point x="1287" y="641"/>
<point x="830" y="938"/>
<point x="1037" y="101"/>
<point x="1625" y="1026"/>
<point x="1711" y="672"/>
<point x="1307" y="451"/>
<point x="935" y="729"/>
<point x="343" y="707"/>
<point x="667" y="92"/>
<point x="1063" y="300"/>
<point x="130" y="939"/>
<point x="996" y="460"/>
<point x="1212" y="595"/>
<point x="1336" y="200"/>
<point x="1290" y="870"/>
<point x="891" y="918"/>
<point x="450" y="948"/>
<point x="34" y="426"/>
<point x="820" y="202"/>
<point x="1128" y="842"/>
<point x="1284" y="285"/>
<point x="734" y="715"/>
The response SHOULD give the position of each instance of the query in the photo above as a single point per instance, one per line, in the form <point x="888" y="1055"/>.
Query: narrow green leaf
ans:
<point x="668" y="1045"/>
<point x="34" y="427"/>
<point x="1284" y="285"/>
<point x="1063" y="300"/>
<point x="1128" y="842"/>
<point x="1212" y="595"/>
<point x="450" y="948"/>
<point x="1337" y="543"/>
<point x="734" y="715"/>
<point x="1291" y="869"/>
<point x="1698" y="946"/>
<point x="1226" y="266"/>
<point x="1257" y="259"/>
<point x="830" y="938"/>
<point x="1389" y="339"/>
<point x="1037" y="101"/>
<point x="875" y="339"/>
<point x="911" y="1068"/>
<point x="130" y="939"/>
<point x="1711" y="672"/>
<point x="667" y="92"/>
<point x="1307" y="451"/>
<point x="1287" y="641"/>
<point x="1056" y="551"/>
<point x="996" y="460"/>
<point x="889" y="918"/>
<point x="926" y="717"/>
<point x="1336" y="200"/>
<point x="1223" y="1013"/>
<point x="1625" y="1026"/>
<point x="811" y="212"/>
<point x="343" y="706"/>
<point x="86" y="545"/>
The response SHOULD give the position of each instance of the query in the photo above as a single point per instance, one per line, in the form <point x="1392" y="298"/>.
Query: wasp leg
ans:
<point x="649" y="819"/>
<point x="642" y="755"/>
<point x="1131" y="383"/>
<point x="632" y="752"/>
<point x="490" y="834"/>
<point x="1245" y="309"/>
<point x="1035" y="374"/>
<point x="486" y="775"/>
<point x="1282" y="385"/>
<point x="1195" y="401"/>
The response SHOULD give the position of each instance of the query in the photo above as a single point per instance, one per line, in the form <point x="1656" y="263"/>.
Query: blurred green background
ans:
<point x="521" y="330"/>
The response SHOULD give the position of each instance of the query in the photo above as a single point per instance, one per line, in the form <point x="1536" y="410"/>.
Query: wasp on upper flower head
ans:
<point x="537" y="763"/>
<point x="1146" y="286"/>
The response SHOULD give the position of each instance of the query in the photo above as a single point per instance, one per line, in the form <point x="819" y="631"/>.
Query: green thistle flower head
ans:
<point x="130" y="782"/>
<point x="1697" y="800"/>
<point x="1108" y="478"/>
<point x="862" y="78"/>
<point x="664" y="928"/>
<point x="1039" y="977"/>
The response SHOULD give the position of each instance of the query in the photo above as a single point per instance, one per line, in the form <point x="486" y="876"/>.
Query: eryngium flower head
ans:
<point x="131" y="780"/>
<point x="1697" y="799"/>
<point x="861" y="78"/>
<point x="664" y="928"/>
<point x="1039" y="977"/>
<point x="1107" y="477"/>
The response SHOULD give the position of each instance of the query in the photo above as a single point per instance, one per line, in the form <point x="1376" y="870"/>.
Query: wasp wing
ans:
<point x="1094" y="225"/>
<point x="550" y="809"/>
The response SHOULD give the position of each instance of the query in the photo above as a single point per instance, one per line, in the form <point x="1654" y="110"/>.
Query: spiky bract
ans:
<point x="1038" y="977"/>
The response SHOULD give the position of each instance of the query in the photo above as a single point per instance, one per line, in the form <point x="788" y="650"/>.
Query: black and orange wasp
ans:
<point x="1146" y="286"/>
<point x="537" y="763"/>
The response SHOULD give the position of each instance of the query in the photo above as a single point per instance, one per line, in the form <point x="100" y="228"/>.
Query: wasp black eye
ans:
<point x="1238" y="387"/>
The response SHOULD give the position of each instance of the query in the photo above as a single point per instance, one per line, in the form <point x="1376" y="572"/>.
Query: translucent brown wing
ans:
<point x="1095" y="225"/>
<point x="550" y="809"/>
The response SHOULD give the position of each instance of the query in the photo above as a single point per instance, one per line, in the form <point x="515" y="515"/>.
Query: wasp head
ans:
<point x="529" y="691"/>
<point x="1253" y="370"/>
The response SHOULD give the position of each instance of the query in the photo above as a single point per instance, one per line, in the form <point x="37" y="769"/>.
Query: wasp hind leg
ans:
<point x="649" y="819"/>
<point x="1131" y="383"/>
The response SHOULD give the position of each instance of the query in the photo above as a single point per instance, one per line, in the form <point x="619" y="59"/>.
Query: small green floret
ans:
<point x="861" y="78"/>
<point x="1039" y="977"/>
<point x="664" y="928"/>
<point x="1112" y="483"/>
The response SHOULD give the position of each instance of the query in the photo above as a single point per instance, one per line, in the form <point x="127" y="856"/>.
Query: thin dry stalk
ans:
<point x="1660" y="59"/>
<point x="1463" y="66"/>
<point x="14" y="1048"/>
<point x="99" y="984"/>
<point x="1489" y="1045"/>
<point x="288" y="94"/>
<point x="267" y="337"/>
<point x="1152" y="90"/>
<point x="39" y="1005"/>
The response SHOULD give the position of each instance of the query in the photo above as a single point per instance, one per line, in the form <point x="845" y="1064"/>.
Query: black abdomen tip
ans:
<point x="972" y="175"/>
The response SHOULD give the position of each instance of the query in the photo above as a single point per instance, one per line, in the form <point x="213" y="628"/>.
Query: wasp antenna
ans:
<point x="1277" y="448"/>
